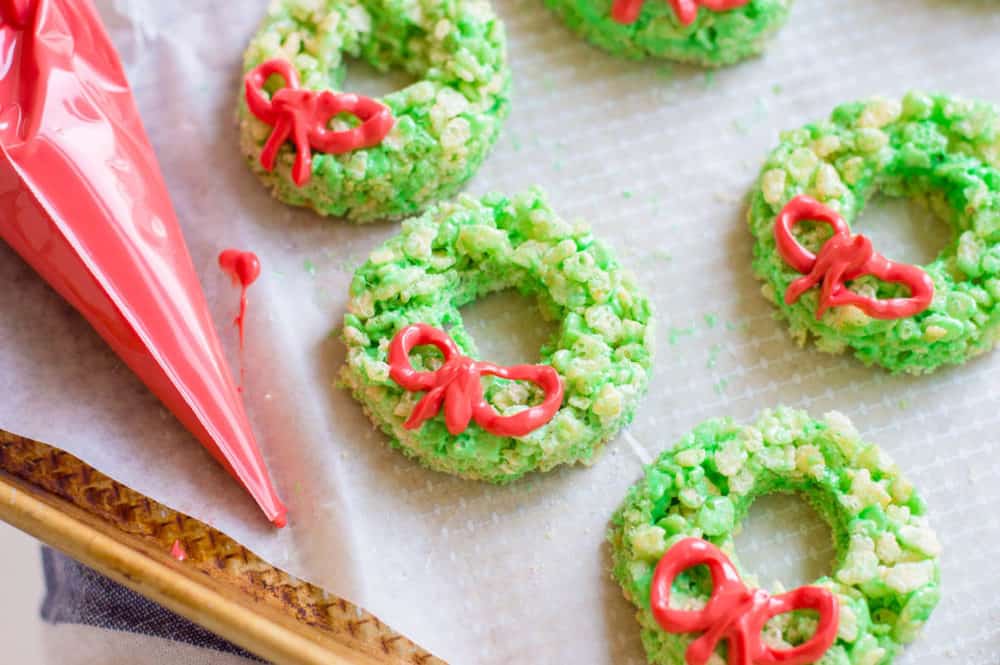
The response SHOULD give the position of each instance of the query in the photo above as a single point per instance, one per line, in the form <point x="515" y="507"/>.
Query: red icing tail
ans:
<point x="83" y="201"/>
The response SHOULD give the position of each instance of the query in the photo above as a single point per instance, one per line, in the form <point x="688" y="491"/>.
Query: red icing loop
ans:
<point x="244" y="268"/>
<point x="736" y="613"/>
<point x="456" y="386"/>
<point x="304" y="115"/>
<point x="627" y="11"/>
<point x="842" y="258"/>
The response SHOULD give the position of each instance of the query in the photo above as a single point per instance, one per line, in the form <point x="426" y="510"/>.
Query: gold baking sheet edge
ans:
<point x="221" y="585"/>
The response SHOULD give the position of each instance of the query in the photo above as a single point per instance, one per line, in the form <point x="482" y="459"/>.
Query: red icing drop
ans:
<point x="627" y="11"/>
<point x="178" y="552"/>
<point x="244" y="269"/>
<point x="457" y="387"/>
<point x="842" y="258"/>
<point x="304" y="116"/>
<point x="83" y="201"/>
<point x="735" y="613"/>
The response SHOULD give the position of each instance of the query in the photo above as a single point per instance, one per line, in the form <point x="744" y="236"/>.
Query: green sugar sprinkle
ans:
<point x="676" y="334"/>
<point x="713" y="355"/>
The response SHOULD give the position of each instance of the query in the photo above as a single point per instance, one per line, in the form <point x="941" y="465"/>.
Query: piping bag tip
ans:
<point x="107" y="238"/>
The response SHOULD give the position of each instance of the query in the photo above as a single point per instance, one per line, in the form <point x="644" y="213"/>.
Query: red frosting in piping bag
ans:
<point x="83" y="201"/>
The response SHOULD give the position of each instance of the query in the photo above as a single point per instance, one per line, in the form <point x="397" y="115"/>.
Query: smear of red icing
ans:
<point x="842" y="258"/>
<point x="83" y="201"/>
<point x="178" y="551"/>
<point x="457" y="387"/>
<point x="244" y="269"/>
<point x="735" y="613"/>
<point x="304" y="116"/>
<point x="627" y="11"/>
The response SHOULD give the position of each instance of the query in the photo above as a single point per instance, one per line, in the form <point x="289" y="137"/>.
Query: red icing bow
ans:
<point x="736" y="613"/>
<point x="842" y="258"/>
<point x="627" y="11"/>
<point x="456" y="385"/>
<point x="304" y="116"/>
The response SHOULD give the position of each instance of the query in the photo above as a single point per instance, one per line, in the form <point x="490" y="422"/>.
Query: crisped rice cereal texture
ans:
<point x="942" y="151"/>
<point x="713" y="40"/>
<point x="446" y="122"/>
<point x="462" y="250"/>
<point x="887" y="572"/>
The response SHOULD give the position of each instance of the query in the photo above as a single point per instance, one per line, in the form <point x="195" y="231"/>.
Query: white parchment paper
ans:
<point x="658" y="158"/>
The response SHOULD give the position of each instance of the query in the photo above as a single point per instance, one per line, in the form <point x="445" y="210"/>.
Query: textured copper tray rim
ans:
<point x="221" y="586"/>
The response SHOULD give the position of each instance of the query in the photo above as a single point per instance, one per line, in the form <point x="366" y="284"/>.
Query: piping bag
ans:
<point x="83" y="201"/>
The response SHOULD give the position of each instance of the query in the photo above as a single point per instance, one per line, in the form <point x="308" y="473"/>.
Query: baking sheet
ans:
<point x="658" y="158"/>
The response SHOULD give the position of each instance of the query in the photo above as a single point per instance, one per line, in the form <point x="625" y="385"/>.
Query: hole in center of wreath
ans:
<point x="507" y="328"/>
<point x="363" y="79"/>
<point x="785" y="542"/>
<point x="903" y="230"/>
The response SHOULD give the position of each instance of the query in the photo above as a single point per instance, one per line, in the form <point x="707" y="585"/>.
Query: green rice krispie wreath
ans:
<point x="440" y="129"/>
<point x="887" y="574"/>
<point x="711" y="33"/>
<point x="942" y="151"/>
<point x="465" y="249"/>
